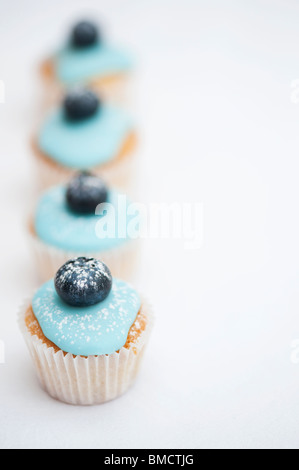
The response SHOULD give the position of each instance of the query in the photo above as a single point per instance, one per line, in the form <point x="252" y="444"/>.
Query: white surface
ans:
<point x="219" y="127"/>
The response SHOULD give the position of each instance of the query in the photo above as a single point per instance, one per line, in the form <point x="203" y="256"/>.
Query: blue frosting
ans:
<point x="80" y="65"/>
<point x="56" y="225"/>
<point x="90" y="331"/>
<point x="84" y="144"/>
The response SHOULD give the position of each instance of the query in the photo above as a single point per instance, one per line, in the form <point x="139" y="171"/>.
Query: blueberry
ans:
<point x="85" y="192"/>
<point x="85" y="34"/>
<point x="80" y="104"/>
<point x="82" y="282"/>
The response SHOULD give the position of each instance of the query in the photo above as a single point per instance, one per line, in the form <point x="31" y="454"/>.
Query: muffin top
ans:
<point x="84" y="132"/>
<point x="86" y="56"/>
<point x="84" y="216"/>
<point x="84" y="311"/>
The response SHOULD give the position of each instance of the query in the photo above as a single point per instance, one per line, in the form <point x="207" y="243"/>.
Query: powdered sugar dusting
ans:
<point x="99" y="329"/>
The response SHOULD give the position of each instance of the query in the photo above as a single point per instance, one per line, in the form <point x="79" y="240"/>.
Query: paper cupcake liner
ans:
<point x="122" y="261"/>
<point x="120" y="173"/>
<point x="78" y="380"/>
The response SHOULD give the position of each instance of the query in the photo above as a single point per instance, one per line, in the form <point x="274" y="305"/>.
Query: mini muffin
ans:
<point x="86" y="333"/>
<point x="85" y="218"/>
<point x="86" y="59"/>
<point x="85" y="133"/>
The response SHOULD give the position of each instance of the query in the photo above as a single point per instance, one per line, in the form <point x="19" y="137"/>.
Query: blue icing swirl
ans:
<point x="75" y="66"/>
<point x="56" y="225"/>
<point x="85" y="144"/>
<point x="100" y="329"/>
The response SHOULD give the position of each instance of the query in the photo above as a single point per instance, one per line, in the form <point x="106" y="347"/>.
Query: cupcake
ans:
<point x="86" y="59"/>
<point x="85" y="134"/>
<point x="85" y="218"/>
<point x="86" y="333"/>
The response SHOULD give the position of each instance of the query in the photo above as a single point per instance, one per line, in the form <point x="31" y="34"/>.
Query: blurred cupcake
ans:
<point x="85" y="134"/>
<point x="86" y="59"/>
<point x="84" y="218"/>
<point x="86" y="333"/>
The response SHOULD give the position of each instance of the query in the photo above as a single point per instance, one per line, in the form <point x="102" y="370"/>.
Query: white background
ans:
<point x="218" y="126"/>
